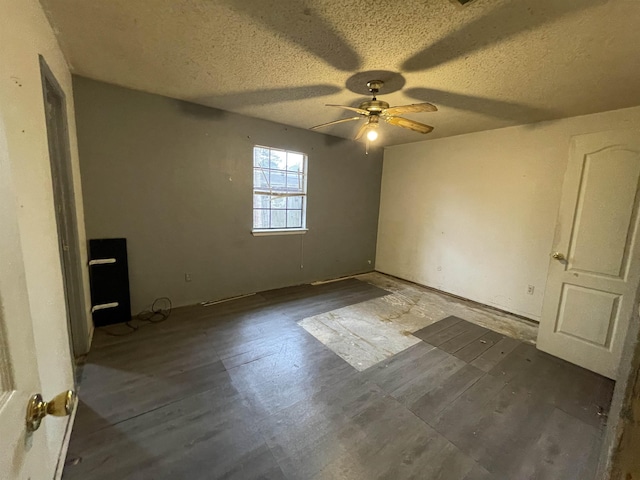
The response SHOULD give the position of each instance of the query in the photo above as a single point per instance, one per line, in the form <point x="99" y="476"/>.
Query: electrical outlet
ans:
<point x="187" y="277"/>
<point x="530" y="289"/>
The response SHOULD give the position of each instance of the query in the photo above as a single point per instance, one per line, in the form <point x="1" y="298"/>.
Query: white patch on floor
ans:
<point x="372" y="331"/>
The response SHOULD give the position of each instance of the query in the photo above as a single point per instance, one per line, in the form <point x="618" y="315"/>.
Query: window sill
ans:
<point x="286" y="231"/>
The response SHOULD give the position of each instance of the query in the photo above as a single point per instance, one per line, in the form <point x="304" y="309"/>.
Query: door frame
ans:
<point x="66" y="214"/>
<point x="620" y="422"/>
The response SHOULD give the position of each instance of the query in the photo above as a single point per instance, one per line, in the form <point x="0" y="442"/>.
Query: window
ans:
<point x="279" y="190"/>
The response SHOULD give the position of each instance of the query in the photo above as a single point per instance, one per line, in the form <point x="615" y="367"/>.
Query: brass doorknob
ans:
<point x="61" y="406"/>
<point x="557" y="255"/>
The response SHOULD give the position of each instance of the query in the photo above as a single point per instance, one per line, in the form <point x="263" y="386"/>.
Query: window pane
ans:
<point x="295" y="162"/>
<point x="294" y="203"/>
<point x="261" y="201"/>
<point x="278" y="159"/>
<point x="279" y="203"/>
<point x="294" y="182"/>
<point x="261" y="179"/>
<point x="261" y="157"/>
<point x="278" y="218"/>
<point x="294" y="218"/>
<point x="278" y="180"/>
<point x="260" y="218"/>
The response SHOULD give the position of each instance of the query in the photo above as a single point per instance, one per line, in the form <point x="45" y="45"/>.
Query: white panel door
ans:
<point x="595" y="263"/>
<point x="22" y="455"/>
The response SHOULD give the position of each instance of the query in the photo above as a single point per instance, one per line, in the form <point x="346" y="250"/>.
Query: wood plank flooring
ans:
<point x="239" y="390"/>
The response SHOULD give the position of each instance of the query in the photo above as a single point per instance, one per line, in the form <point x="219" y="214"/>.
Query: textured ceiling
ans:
<point x="490" y="64"/>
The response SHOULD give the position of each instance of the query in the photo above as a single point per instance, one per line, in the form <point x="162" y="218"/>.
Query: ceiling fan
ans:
<point x="374" y="110"/>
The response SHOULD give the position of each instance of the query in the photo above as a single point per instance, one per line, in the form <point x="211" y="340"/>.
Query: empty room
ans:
<point x="320" y="239"/>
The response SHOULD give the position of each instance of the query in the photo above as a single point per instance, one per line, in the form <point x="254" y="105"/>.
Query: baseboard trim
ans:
<point x="339" y="279"/>
<point x="223" y="300"/>
<point x="333" y="280"/>
<point x="90" y="339"/>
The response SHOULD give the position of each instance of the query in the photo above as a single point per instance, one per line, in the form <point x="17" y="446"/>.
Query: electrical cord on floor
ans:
<point x="156" y="314"/>
<point x="134" y="328"/>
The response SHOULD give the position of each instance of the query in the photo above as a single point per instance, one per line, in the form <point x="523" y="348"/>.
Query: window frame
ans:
<point x="270" y="192"/>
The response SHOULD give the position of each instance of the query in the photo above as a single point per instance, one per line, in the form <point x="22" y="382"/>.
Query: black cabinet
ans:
<point x="109" y="276"/>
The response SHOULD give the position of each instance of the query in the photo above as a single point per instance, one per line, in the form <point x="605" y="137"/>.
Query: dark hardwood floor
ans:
<point x="238" y="390"/>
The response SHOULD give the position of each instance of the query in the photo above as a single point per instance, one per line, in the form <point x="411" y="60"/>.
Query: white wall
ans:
<point x="24" y="34"/>
<point x="474" y="215"/>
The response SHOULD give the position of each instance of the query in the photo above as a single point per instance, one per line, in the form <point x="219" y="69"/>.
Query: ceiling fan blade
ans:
<point x="361" y="111"/>
<point x="410" y="124"/>
<point x="513" y="112"/>
<point x="335" y="122"/>
<point x="361" y="130"/>
<point x="414" y="108"/>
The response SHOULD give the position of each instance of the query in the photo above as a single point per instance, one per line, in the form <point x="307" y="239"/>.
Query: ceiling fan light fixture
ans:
<point x="372" y="134"/>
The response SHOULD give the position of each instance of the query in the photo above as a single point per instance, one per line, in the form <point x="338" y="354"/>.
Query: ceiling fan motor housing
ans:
<point x="374" y="106"/>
